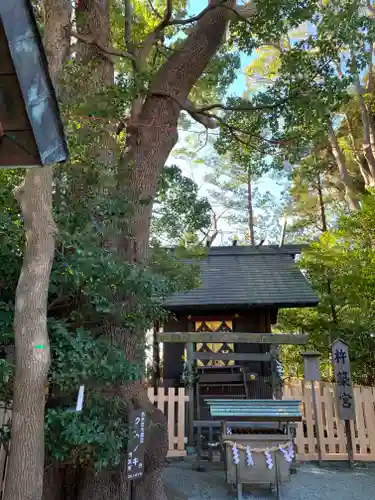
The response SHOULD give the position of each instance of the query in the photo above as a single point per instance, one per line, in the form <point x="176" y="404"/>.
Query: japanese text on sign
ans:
<point x="344" y="388"/>
<point x="136" y="444"/>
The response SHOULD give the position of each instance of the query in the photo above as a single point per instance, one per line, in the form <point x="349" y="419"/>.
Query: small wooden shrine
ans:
<point x="222" y="330"/>
<point x="31" y="130"/>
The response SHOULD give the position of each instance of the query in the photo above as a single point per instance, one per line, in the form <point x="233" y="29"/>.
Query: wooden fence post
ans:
<point x="190" y="367"/>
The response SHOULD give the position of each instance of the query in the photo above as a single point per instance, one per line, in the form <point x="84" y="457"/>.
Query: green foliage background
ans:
<point x="345" y="258"/>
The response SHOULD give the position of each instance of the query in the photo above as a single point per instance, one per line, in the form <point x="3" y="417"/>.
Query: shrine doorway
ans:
<point x="219" y="347"/>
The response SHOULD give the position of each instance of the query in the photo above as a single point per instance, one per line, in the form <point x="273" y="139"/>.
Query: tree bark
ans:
<point x="26" y="460"/>
<point x="359" y="158"/>
<point x="344" y="174"/>
<point x="372" y="130"/>
<point x="322" y="208"/>
<point x="250" y="211"/>
<point x="66" y="482"/>
<point x="153" y="135"/>
<point x="366" y="144"/>
<point x="93" y="20"/>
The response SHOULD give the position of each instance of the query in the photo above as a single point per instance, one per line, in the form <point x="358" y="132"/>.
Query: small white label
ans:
<point x="81" y="392"/>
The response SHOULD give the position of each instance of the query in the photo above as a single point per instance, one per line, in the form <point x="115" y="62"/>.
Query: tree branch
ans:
<point x="243" y="107"/>
<point x="246" y="11"/>
<point x="128" y="25"/>
<point x="194" y="19"/>
<point x="206" y="120"/>
<point x="214" y="220"/>
<point x="155" y="35"/>
<point x="236" y="130"/>
<point x="167" y="20"/>
<point x="191" y="108"/>
<point x="207" y="236"/>
<point x="243" y="12"/>
<point x="157" y="14"/>
<point x="210" y="120"/>
<point x="168" y="11"/>
<point x="106" y="50"/>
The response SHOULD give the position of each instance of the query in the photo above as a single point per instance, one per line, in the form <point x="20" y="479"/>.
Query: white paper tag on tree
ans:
<point x="81" y="393"/>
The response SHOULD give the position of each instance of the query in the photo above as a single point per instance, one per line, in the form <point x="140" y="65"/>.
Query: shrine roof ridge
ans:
<point x="245" y="277"/>
<point x="249" y="250"/>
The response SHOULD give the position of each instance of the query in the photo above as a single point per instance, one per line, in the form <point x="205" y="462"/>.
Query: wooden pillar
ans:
<point x="173" y="363"/>
<point x="254" y="321"/>
<point x="279" y="385"/>
<point x="274" y="378"/>
<point x="155" y="359"/>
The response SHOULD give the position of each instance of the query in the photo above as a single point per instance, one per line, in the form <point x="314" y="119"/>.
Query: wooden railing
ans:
<point x="172" y="402"/>
<point x="332" y="431"/>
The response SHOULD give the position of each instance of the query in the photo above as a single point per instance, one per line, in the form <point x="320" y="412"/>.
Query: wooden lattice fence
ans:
<point x="171" y="401"/>
<point x="332" y="430"/>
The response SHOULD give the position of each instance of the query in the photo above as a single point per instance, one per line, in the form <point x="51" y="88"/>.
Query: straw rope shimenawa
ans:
<point x="260" y="450"/>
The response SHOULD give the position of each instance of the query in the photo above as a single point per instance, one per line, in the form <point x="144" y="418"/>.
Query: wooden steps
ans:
<point x="223" y="382"/>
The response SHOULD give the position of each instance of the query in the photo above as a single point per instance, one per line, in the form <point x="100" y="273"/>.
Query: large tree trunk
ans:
<point x="67" y="482"/>
<point x="151" y="136"/>
<point x="359" y="158"/>
<point x="57" y="26"/>
<point x="344" y="174"/>
<point x="26" y="460"/>
<point x="250" y="211"/>
<point x="150" y="139"/>
<point x="154" y="134"/>
<point x="322" y="209"/>
<point x="93" y="20"/>
<point x="367" y="143"/>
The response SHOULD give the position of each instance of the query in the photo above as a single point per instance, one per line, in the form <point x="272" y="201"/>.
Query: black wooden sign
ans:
<point x="136" y="444"/>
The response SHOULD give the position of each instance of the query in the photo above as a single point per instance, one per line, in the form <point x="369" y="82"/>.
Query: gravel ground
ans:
<point x="309" y="483"/>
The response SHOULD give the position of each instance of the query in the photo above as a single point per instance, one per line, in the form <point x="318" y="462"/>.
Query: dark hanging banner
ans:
<point x="136" y="444"/>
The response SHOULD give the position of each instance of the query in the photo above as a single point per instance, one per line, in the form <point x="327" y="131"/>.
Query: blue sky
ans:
<point x="199" y="172"/>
